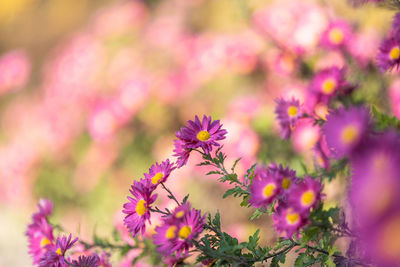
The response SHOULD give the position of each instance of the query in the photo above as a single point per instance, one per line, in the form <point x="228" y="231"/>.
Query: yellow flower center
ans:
<point x="308" y="198"/>
<point x="184" y="232"/>
<point x="180" y="214"/>
<point x="269" y="190"/>
<point x="328" y="86"/>
<point x="286" y="183"/>
<point x="394" y="53"/>
<point x="157" y="177"/>
<point x="389" y="241"/>
<point x="203" y="135"/>
<point x="58" y="251"/>
<point x="171" y="232"/>
<point x="292" y="111"/>
<point x="140" y="207"/>
<point x="292" y="217"/>
<point x="44" y="242"/>
<point x="349" y="134"/>
<point x="336" y="36"/>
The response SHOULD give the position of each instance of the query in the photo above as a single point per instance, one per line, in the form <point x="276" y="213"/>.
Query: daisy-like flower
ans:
<point x="159" y="173"/>
<point x="55" y="257"/>
<point x="305" y="195"/>
<point x="288" y="220"/>
<point x="288" y="113"/>
<point x="327" y="83"/>
<point x="285" y="176"/>
<point x="138" y="207"/>
<point x="345" y="129"/>
<point x="176" y="235"/>
<point x="375" y="178"/>
<point x="204" y="134"/>
<point x="337" y="35"/>
<point x="181" y="152"/>
<point x="389" y="54"/>
<point x="264" y="188"/>
<point x="90" y="261"/>
<point x="40" y="232"/>
<point x="104" y="260"/>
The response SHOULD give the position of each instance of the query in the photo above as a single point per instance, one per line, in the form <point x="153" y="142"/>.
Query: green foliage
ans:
<point x="384" y="121"/>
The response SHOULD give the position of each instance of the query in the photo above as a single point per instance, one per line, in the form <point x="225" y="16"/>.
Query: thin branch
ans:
<point x="170" y="193"/>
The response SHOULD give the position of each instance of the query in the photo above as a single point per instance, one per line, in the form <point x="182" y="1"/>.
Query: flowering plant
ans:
<point x="355" y="140"/>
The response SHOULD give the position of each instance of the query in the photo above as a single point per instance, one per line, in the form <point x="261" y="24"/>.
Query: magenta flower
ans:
<point x="288" y="220"/>
<point x="327" y="83"/>
<point x="90" y="261"/>
<point x="337" y="35"/>
<point x="104" y="260"/>
<point x="55" y="257"/>
<point x="159" y="173"/>
<point x="305" y="195"/>
<point x="176" y="234"/>
<point x="138" y="207"/>
<point x="181" y="152"/>
<point x="204" y="134"/>
<point x="288" y="113"/>
<point x="264" y="188"/>
<point x="345" y="129"/>
<point x="389" y="54"/>
<point x="285" y="176"/>
<point x="375" y="179"/>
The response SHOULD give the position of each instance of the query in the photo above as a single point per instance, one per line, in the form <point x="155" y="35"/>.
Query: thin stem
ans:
<point x="170" y="193"/>
<point x="107" y="245"/>
<point x="159" y="211"/>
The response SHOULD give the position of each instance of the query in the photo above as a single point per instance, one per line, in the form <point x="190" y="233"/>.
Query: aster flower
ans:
<point x="322" y="154"/>
<point x="181" y="152"/>
<point x="288" y="113"/>
<point x="204" y="134"/>
<point x="55" y="257"/>
<point x="337" y="35"/>
<point x="159" y="173"/>
<point x="264" y="188"/>
<point x="389" y="54"/>
<point x="90" y="261"/>
<point x="375" y="178"/>
<point x="288" y="220"/>
<point x="305" y="195"/>
<point x="45" y="207"/>
<point x="327" y="83"/>
<point x="285" y="176"/>
<point x="104" y="260"/>
<point x="138" y="207"/>
<point x="345" y="129"/>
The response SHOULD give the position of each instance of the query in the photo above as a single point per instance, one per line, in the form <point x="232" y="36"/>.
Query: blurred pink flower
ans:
<point x="15" y="68"/>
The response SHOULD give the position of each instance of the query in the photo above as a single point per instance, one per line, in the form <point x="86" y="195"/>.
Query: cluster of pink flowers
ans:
<point x="179" y="228"/>
<point x="292" y="198"/>
<point x="48" y="251"/>
<point x="389" y="50"/>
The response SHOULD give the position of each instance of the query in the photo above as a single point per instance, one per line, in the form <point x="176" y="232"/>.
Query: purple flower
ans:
<point x="90" y="261"/>
<point x="337" y="35"/>
<point x="138" y="207"/>
<point x="345" y="129"/>
<point x="55" y="257"/>
<point x="204" y="134"/>
<point x="176" y="234"/>
<point x="375" y="179"/>
<point x="395" y="31"/>
<point x="389" y="54"/>
<point x="305" y="195"/>
<point x="327" y="83"/>
<point x="285" y="176"/>
<point x="159" y="173"/>
<point x="181" y="152"/>
<point x="288" y="220"/>
<point x="104" y="260"/>
<point x="264" y="187"/>
<point x="288" y="113"/>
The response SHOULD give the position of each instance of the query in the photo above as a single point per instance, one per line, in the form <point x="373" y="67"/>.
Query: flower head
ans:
<point x="288" y="220"/>
<point x="138" y="207"/>
<point x="306" y="194"/>
<point x="288" y="113"/>
<point x="159" y="173"/>
<point x="90" y="261"/>
<point x="204" y="134"/>
<point x="327" y="83"/>
<point x="264" y="188"/>
<point x="285" y="176"/>
<point x="389" y="54"/>
<point x="345" y="129"/>
<point x="337" y="35"/>
<point x="55" y="257"/>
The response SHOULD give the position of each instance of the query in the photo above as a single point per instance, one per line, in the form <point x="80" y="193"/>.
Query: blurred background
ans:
<point x="93" y="91"/>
